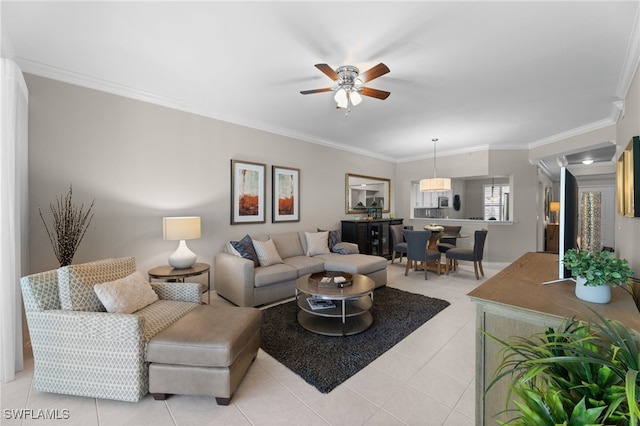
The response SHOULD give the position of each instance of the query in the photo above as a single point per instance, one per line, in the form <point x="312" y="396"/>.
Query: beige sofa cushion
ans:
<point x="288" y="244"/>
<point x="305" y="264"/>
<point x="353" y="263"/>
<point x="273" y="274"/>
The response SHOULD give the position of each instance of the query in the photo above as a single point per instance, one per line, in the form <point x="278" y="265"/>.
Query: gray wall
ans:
<point x="142" y="162"/>
<point x="505" y="242"/>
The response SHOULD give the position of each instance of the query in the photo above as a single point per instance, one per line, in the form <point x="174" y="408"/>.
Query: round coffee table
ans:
<point x="349" y="310"/>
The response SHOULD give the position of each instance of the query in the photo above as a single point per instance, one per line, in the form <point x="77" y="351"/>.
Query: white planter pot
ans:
<point x="594" y="294"/>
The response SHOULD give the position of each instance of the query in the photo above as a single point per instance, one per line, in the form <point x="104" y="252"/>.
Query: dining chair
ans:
<point x="473" y="255"/>
<point x="398" y="243"/>
<point x="445" y="243"/>
<point x="417" y="251"/>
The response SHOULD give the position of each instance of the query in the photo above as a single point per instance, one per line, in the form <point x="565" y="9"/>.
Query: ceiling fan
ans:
<point x="350" y="84"/>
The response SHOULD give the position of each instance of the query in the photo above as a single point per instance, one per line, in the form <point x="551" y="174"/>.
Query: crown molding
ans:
<point x="632" y="60"/>
<point x="573" y="132"/>
<point x="89" y="82"/>
<point x="617" y="111"/>
<point x="444" y="153"/>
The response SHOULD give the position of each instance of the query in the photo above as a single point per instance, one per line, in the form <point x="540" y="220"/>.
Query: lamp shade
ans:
<point x="435" y="184"/>
<point x="554" y="206"/>
<point x="181" y="228"/>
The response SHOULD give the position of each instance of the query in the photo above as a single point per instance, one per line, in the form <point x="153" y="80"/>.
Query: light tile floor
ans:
<point x="426" y="379"/>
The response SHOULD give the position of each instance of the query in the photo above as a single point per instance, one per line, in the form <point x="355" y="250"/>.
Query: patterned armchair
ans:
<point x="78" y="347"/>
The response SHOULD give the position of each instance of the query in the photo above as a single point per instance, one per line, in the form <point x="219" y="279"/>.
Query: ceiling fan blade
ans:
<point x="375" y="93"/>
<point x="375" y="72"/>
<point x="308" y="92"/>
<point x="329" y="72"/>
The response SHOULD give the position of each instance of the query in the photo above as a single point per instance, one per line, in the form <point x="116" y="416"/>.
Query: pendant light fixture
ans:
<point x="435" y="184"/>
<point x="493" y="197"/>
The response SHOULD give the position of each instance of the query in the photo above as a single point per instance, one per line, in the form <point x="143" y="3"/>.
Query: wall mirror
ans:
<point x="367" y="191"/>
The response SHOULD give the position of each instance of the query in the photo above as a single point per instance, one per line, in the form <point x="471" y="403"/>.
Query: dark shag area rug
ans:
<point x="325" y="361"/>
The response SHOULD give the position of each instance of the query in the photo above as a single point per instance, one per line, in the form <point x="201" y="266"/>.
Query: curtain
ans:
<point x="13" y="214"/>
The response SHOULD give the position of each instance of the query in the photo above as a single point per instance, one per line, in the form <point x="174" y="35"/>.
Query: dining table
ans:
<point x="433" y="245"/>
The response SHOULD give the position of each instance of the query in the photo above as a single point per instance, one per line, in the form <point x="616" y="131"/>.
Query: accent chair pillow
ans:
<point x="126" y="295"/>
<point x="317" y="243"/>
<point x="267" y="252"/>
<point x="246" y="250"/>
<point x="76" y="282"/>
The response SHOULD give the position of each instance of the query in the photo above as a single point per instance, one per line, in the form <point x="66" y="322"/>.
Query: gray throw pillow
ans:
<point x="246" y="250"/>
<point x="334" y="237"/>
<point x="346" y="248"/>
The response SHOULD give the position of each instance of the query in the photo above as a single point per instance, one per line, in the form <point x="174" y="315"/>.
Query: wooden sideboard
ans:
<point x="371" y="236"/>
<point x="515" y="302"/>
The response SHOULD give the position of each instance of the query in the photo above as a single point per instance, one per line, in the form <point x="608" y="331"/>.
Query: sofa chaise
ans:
<point x="158" y="336"/>
<point x="253" y="282"/>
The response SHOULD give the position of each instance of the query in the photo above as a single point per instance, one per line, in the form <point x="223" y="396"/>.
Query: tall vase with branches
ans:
<point x="69" y="226"/>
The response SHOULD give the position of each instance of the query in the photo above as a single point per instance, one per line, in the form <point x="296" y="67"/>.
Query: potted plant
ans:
<point x="582" y="373"/>
<point x="70" y="223"/>
<point x="595" y="273"/>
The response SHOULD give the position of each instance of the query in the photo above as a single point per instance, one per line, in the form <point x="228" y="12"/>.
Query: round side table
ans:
<point x="168" y="272"/>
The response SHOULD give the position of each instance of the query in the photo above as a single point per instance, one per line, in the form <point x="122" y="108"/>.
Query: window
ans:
<point x="496" y="202"/>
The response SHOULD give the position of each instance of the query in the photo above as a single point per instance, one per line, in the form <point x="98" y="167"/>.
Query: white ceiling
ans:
<point x="473" y="74"/>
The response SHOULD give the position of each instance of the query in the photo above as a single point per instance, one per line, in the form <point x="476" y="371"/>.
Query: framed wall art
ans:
<point x="286" y="194"/>
<point x="247" y="192"/>
<point x="628" y="179"/>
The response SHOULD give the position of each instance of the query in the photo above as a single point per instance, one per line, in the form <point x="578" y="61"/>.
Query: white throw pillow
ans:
<point x="267" y="252"/>
<point x="317" y="243"/>
<point x="126" y="295"/>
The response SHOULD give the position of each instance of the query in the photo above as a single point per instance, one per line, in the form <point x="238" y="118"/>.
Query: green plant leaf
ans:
<point x="631" y="387"/>
<point x="582" y="416"/>
<point x="586" y="369"/>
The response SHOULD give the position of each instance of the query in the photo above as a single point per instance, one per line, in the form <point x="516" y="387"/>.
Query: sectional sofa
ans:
<point x="281" y="259"/>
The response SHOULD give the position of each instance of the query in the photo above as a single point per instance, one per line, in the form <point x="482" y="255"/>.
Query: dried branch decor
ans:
<point x="70" y="223"/>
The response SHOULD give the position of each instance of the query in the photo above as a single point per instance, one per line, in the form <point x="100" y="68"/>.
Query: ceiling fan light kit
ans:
<point x="350" y="81"/>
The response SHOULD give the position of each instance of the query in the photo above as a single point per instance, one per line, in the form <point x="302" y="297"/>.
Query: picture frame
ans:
<point x="286" y="194"/>
<point x="620" y="196"/>
<point x="628" y="179"/>
<point x="247" y="192"/>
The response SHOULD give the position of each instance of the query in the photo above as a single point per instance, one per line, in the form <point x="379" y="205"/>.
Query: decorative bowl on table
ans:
<point x="331" y="279"/>
<point x="434" y="227"/>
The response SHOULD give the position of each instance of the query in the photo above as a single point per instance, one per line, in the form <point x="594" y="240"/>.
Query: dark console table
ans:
<point x="371" y="236"/>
